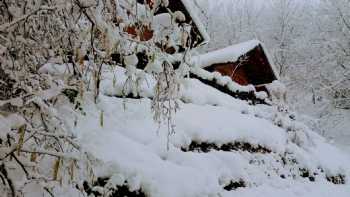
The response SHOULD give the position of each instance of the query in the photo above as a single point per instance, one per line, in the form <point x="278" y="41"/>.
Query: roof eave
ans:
<point x="200" y="26"/>
<point x="270" y="60"/>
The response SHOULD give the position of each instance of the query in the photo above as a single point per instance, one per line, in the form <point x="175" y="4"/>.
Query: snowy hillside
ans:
<point x="121" y="98"/>
<point x="221" y="146"/>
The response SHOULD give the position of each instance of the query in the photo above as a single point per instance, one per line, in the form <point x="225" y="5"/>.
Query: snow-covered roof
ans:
<point x="190" y="8"/>
<point x="231" y="54"/>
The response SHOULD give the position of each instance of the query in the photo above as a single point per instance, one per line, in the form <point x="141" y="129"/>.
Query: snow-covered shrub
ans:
<point x="278" y="92"/>
<point x="52" y="52"/>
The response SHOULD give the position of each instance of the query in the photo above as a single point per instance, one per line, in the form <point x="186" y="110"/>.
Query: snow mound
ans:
<point x="221" y="80"/>
<point x="57" y="69"/>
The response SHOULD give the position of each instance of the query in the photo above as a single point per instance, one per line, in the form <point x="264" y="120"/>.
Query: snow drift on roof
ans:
<point x="225" y="55"/>
<point x="231" y="54"/>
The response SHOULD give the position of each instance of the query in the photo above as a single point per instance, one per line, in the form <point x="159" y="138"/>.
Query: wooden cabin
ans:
<point x="163" y="19"/>
<point x="246" y="63"/>
<point x="199" y="36"/>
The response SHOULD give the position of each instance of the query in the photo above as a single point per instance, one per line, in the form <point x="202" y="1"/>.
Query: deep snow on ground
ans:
<point x="132" y="147"/>
<point x="339" y="130"/>
<point x="332" y="123"/>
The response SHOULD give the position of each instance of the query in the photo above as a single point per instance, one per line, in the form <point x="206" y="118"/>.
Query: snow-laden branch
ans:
<point x="61" y="136"/>
<point x="5" y="26"/>
<point x="51" y="153"/>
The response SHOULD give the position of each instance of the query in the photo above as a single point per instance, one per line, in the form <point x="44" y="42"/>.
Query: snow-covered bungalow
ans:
<point x="182" y="10"/>
<point x="199" y="35"/>
<point x="190" y="33"/>
<point x="245" y="63"/>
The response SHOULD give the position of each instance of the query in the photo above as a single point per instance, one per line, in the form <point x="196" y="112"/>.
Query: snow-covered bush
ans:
<point x="52" y="52"/>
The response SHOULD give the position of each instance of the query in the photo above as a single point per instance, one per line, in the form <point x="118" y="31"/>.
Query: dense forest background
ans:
<point x="310" y="44"/>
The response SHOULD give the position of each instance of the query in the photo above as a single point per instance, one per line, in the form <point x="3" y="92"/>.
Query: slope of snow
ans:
<point x="221" y="80"/>
<point x="132" y="147"/>
<point x="57" y="69"/>
<point x="294" y="190"/>
<point x="117" y="83"/>
<point x="194" y="91"/>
